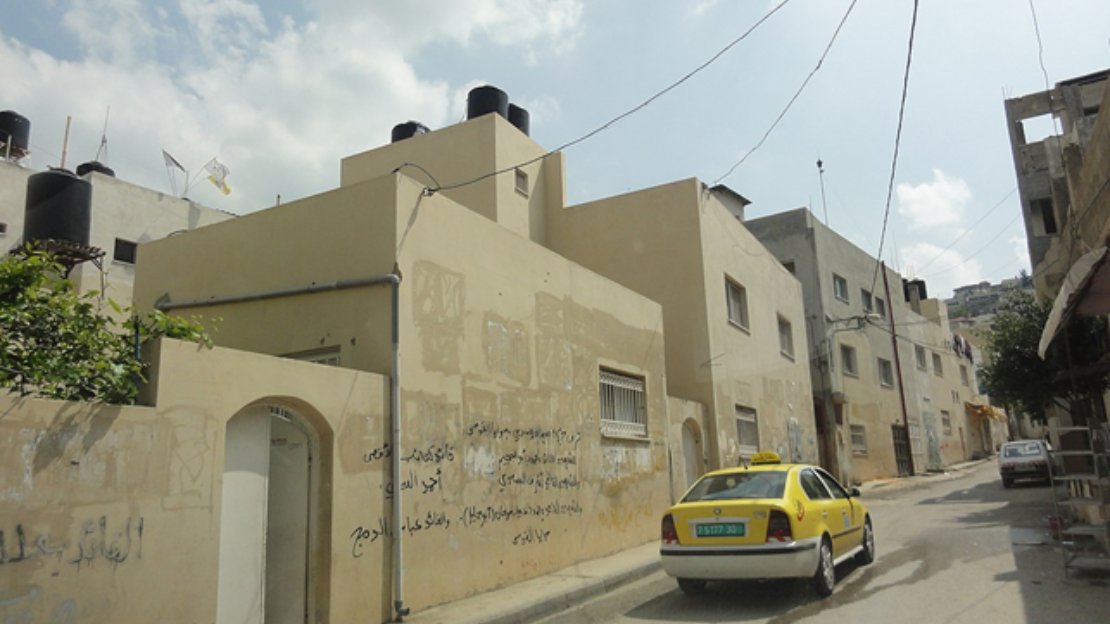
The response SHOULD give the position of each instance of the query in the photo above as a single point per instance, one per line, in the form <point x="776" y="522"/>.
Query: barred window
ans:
<point x="622" y="405"/>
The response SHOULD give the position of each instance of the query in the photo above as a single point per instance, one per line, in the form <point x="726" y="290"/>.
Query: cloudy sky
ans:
<point x="280" y="90"/>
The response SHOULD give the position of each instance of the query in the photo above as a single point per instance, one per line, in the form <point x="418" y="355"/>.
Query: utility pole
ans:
<point x="898" y="367"/>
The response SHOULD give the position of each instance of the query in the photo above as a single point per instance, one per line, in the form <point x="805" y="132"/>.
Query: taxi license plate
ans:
<point x="720" y="529"/>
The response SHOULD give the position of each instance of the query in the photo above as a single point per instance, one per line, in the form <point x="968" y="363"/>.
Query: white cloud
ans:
<point x="934" y="204"/>
<point x="279" y="103"/>
<point x="703" y="7"/>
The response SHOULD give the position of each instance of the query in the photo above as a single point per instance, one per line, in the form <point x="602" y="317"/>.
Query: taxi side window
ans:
<point x="834" y="485"/>
<point x="812" y="486"/>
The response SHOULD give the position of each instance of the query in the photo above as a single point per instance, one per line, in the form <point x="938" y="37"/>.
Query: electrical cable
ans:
<point x="897" y="145"/>
<point x="793" y="99"/>
<point x="981" y="250"/>
<point x="625" y="114"/>
<point x="969" y="230"/>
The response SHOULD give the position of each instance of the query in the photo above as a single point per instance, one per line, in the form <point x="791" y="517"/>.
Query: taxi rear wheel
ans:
<point x="691" y="587"/>
<point x="824" y="579"/>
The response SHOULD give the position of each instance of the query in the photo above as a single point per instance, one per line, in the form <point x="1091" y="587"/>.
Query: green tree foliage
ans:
<point x="59" y="344"/>
<point x="1017" y="376"/>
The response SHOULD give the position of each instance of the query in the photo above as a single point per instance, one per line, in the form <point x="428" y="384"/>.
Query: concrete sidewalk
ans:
<point x="547" y="595"/>
<point x="540" y="597"/>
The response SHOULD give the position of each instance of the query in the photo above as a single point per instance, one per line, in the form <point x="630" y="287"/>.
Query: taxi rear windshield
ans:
<point x="738" y="486"/>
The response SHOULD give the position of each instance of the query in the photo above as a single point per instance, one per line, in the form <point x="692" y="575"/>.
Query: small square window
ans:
<point x="747" y="430"/>
<point x="3" y="228"/>
<point x="938" y="366"/>
<point x="125" y="251"/>
<point x="848" y="360"/>
<point x="737" y="304"/>
<point x="789" y="266"/>
<point x="522" y="182"/>
<point x="919" y="352"/>
<point x="786" y="338"/>
<point x="886" y="373"/>
<point x="859" y="440"/>
<point x="840" y="288"/>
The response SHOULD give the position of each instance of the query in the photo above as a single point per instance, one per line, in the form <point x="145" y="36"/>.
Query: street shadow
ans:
<point x="744" y="601"/>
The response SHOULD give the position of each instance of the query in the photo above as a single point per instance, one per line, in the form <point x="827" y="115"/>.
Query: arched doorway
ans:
<point x="693" y="458"/>
<point x="268" y="516"/>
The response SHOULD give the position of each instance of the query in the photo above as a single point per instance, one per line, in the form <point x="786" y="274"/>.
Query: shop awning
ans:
<point x="1085" y="292"/>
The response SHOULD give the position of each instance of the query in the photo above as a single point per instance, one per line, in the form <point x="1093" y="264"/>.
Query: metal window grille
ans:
<point x="622" y="405"/>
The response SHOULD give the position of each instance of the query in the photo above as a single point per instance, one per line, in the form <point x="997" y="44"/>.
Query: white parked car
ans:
<point x="1023" y="459"/>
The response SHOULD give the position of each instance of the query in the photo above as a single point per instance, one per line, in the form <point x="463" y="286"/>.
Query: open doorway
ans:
<point x="267" y="518"/>
<point x="694" y="458"/>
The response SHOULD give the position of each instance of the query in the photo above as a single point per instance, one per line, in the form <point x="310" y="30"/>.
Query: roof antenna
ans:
<point x="821" y="176"/>
<point x="104" y="139"/>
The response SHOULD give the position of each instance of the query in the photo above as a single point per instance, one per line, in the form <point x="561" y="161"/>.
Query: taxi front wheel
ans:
<point x="824" y="579"/>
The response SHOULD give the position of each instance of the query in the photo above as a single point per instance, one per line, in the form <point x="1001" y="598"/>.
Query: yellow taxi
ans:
<point x="768" y="520"/>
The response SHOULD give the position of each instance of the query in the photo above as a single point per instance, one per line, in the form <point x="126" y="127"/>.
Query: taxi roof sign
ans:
<point x="766" y="457"/>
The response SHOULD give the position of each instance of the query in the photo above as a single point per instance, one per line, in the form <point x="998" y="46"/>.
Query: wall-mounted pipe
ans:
<point x="165" y="304"/>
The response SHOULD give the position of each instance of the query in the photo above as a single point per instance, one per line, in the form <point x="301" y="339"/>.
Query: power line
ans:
<point x="627" y="113"/>
<point x="981" y="250"/>
<point x="969" y="230"/>
<point x="793" y="99"/>
<point x="897" y="144"/>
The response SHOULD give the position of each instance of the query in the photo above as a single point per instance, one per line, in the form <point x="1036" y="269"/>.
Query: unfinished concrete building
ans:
<point x="1045" y="167"/>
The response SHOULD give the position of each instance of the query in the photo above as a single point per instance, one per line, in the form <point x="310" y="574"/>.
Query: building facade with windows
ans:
<point x="124" y="216"/>
<point x="883" y="380"/>
<point x="733" y="315"/>
<point x="531" y="391"/>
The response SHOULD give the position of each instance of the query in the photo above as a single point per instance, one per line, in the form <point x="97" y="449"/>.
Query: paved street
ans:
<point x="955" y="550"/>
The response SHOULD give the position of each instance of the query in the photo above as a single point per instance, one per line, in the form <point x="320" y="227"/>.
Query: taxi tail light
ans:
<point x="778" y="527"/>
<point x="670" y="535"/>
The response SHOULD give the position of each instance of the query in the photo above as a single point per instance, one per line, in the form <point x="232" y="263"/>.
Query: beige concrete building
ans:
<point x="124" y="216"/>
<point x="478" y="390"/>
<point x="733" y="316"/>
<point x="531" y="391"/>
<point x="889" y="389"/>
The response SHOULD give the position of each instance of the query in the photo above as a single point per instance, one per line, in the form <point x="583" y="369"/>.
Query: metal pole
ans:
<point x="395" y="441"/>
<point x="898" y="367"/>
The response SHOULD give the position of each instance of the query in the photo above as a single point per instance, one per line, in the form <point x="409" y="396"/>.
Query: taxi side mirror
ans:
<point x="854" y="492"/>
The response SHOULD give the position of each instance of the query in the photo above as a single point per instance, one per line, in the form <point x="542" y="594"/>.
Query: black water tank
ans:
<point x="519" y="118"/>
<point x="17" y="128"/>
<point x="408" y="130"/>
<point x="485" y="100"/>
<point x="59" y="207"/>
<point x="94" y="165"/>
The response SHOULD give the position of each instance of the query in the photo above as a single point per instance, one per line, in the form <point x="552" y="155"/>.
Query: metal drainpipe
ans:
<point x="898" y="368"/>
<point x="394" y="280"/>
<point x="395" y="442"/>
